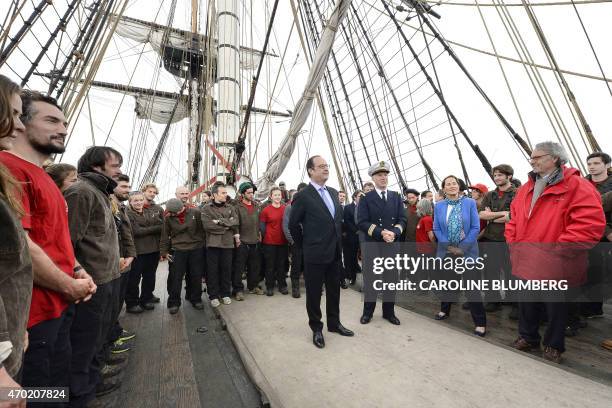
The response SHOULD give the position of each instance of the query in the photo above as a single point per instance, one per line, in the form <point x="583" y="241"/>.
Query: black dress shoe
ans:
<point x="318" y="340"/>
<point x="365" y="319"/>
<point x="198" y="305"/>
<point x="154" y="299"/>
<point x="134" y="309"/>
<point x="393" y="320"/>
<point x="270" y="292"/>
<point x="341" y="330"/>
<point x="343" y="284"/>
<point x="148" y="306"/>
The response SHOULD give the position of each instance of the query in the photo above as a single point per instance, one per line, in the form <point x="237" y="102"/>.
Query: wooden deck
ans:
<point x="584" y="355"/>
<point x="171" y="364"/>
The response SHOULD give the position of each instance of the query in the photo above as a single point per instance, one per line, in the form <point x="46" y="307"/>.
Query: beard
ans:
<point x="46" y="148"/>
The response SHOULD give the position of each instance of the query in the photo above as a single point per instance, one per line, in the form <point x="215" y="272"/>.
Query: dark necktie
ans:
<point x="384" y="196"/>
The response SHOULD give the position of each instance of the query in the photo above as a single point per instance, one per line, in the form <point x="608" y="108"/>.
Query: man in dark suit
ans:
<point x="315" y="223"/>
<point x="350" y="241"/>
<point x="381" y="216"/>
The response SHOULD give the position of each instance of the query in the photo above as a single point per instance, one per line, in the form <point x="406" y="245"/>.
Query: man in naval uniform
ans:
<point x="381" y="217"/>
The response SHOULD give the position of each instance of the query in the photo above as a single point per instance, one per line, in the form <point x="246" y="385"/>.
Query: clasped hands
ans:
<point x="388" y="236"/>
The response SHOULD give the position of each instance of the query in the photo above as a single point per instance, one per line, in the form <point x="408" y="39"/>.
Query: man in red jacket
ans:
<point x="555" y="218"/>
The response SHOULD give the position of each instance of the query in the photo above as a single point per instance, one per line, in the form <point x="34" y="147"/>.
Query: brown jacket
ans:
<point x="146" y="227"/>
<point x="182" y="236"/>
<point x="127" y="249"/>
<point x="249" y="223"/>
<point x="220" y="234"/>
<point x="92" y="226"/>
<point x="15" y="286"/>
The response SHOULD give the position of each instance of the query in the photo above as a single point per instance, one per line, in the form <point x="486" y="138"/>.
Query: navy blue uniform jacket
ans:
<point x="374" y="215"/>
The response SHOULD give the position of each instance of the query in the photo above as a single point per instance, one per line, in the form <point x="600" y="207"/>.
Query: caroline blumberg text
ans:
<point x="412" y="264"/>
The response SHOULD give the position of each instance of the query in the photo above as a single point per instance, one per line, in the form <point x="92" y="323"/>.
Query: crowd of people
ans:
<point x="79" y="243"/>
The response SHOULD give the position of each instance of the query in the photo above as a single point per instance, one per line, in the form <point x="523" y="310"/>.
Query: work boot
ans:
<point x="109" y="371"/>
<point x="107" y="387"/>
<point x="257" y="291"/>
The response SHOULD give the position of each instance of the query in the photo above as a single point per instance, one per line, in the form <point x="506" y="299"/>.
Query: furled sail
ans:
<point x="279" y="161"/>
<point x="184" y="51"/>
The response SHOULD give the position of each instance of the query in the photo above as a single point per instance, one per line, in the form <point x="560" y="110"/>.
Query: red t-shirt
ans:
<point x="46" y="220"/>
<point x="424" y="245"/>
<point x="273" y="217"/>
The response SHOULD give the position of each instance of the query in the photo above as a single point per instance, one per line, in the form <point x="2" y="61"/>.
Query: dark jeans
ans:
<point x="119" y="299"/>
<point x="530" y="314"/>
<point x="314" y="277"/>
<point x="188" y="264"/>
<point x="86" y="335"/>
<point x="246" y="256"/>
<point x="276" y="265"/>
<point x="297" y="262"/>
<point x="219" y="272"/>
<point x="46" y="363"/>
<point x="351" y="264"/>
<point x="143" y="267"/>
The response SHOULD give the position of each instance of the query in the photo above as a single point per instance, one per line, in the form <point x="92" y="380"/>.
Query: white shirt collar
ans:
<point x="317" y="186"/>
<point x="378" y="191"/>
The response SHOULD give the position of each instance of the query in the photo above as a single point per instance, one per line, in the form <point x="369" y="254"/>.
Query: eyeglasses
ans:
<point x="538" y="157"/>
<point x="323" y="166"/>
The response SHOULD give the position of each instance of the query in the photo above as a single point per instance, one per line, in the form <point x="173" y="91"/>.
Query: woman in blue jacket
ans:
<point x="456" y="226"/>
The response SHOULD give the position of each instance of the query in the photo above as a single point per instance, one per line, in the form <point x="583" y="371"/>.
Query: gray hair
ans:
<point x="424" y="207"/>
<point x="555" y="150"/>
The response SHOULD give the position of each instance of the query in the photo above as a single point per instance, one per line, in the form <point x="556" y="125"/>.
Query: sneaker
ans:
<point x="119" y="347"/>
<point x="126" y="335"/>
<point x="134" y="309"/>
<point x="226" y="300"/>
<point x="173" y="309"/>
<point x="215" y="303"/>
<point x="109" y="371"/>
<point x="239" y="296"/>
<point x="257" y="291"/>
<point x="106" y="387"/>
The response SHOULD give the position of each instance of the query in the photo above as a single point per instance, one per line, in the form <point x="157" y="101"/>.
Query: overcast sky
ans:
<point x="461" y="24"/>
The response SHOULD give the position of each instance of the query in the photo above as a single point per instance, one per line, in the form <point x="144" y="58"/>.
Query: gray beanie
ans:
<point x="174" y="205"/>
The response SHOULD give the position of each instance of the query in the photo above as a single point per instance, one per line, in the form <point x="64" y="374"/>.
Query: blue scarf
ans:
<point x="455" y="222"/>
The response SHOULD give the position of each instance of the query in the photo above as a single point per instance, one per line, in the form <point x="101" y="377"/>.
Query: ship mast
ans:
<point x="228" y="80"/>
<point x="193" y="160"/>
